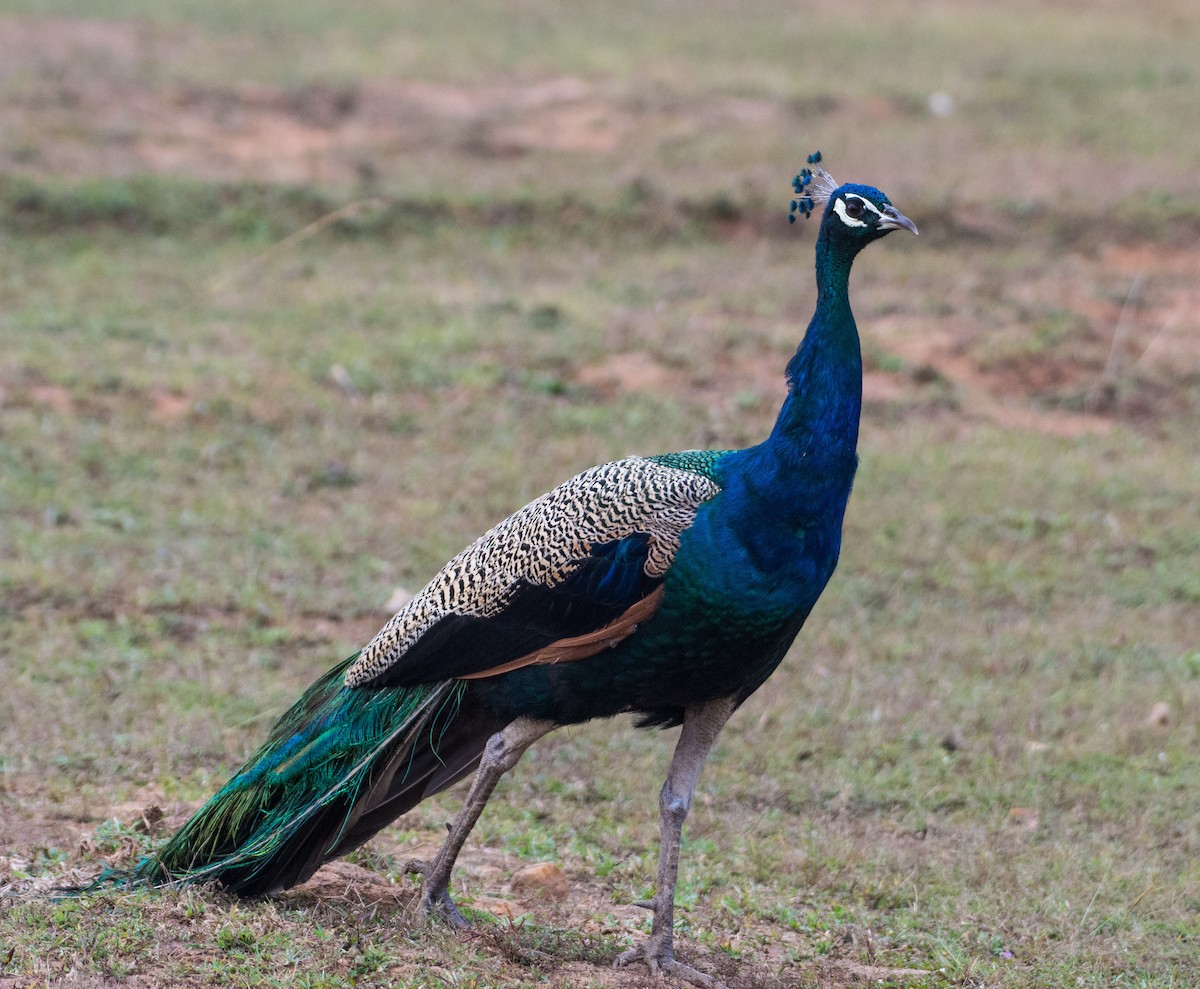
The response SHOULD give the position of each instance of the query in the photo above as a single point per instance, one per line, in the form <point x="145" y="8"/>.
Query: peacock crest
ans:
<point x="811" y="189"/>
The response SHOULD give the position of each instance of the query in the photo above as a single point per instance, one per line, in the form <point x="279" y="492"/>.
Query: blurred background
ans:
<point x="1064" y="124"/>
<point x="297" y="298"/>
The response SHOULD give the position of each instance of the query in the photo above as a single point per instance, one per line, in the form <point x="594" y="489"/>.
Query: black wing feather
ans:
<point x="597" y="591"/>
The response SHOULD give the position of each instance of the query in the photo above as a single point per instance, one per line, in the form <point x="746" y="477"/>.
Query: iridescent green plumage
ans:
<point x="336" y="756"/>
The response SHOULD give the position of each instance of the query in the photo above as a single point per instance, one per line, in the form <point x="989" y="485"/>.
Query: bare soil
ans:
<point x="92" y="98"/>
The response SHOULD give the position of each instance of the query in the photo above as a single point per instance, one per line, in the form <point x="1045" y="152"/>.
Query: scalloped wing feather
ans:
<point x="555" y="570"/>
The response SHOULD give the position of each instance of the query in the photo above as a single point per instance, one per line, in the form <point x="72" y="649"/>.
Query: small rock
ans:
<point x="504" y="909"/>
<point x="544" y="880"/>
<point x="1160" y="715"/>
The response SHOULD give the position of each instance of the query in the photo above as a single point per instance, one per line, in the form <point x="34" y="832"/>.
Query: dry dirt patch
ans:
<point x="87" y="98"/>
<point x="94" y="98"/>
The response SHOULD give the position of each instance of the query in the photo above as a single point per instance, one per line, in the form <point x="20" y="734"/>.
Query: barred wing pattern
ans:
<point x="569" y="565"/>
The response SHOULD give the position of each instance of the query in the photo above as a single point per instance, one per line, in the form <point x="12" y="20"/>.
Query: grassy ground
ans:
<point x="291" y="309"/>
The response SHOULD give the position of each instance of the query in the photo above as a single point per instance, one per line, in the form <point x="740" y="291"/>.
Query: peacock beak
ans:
<point x="893" y="219"/>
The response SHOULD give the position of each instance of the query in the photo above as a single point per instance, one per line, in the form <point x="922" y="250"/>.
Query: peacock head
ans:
<point x="855" y="214"/>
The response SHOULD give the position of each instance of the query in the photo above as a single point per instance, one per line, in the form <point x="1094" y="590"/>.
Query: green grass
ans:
<point x="230" y="425"/>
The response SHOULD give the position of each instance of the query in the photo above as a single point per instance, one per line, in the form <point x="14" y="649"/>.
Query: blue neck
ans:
<point x="819" y="418"/>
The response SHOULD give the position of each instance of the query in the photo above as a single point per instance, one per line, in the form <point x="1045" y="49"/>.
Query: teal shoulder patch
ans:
<point x="702" y="462"/>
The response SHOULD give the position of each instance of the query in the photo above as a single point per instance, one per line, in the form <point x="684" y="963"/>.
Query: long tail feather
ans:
<point x="338" y="766"/>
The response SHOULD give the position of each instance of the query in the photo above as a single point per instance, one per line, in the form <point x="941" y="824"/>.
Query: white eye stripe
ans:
<point x="839" y="208"/>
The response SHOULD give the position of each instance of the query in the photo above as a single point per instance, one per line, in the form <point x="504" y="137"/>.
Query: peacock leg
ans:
<point x="501" y="753"/>
<point x="701" y="725"/>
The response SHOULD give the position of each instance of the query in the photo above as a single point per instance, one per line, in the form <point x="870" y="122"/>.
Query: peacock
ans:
<point x="665" y="586"/>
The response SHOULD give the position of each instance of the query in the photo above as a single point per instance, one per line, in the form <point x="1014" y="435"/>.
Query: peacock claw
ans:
<point x="435" y="900"/>
<point x="661" y="960"/>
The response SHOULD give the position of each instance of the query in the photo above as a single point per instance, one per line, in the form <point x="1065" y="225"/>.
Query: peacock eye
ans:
<point x="854" y="208"/>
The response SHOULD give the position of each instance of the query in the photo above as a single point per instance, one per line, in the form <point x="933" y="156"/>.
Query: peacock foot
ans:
<point x="658" y="956"/>
<point x="435" y="900"/>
